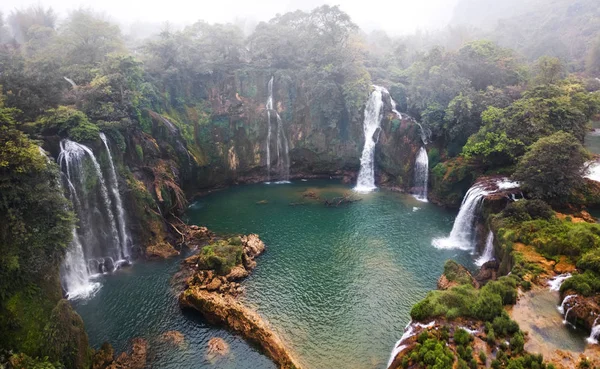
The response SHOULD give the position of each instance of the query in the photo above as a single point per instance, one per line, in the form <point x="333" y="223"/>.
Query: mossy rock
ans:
<point x="221" y="256"/>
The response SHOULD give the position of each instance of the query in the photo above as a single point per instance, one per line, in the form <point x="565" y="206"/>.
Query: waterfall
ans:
<point x="373" y="116"/>
<point x="409" y="331"/>
<point x="96" y="243"/>
<point x="421" y="175"/>
<point x="561" y="308"/>
<point x="462" y="235"/>
<point x="488" y="252"/>
<point x="595" y="332"/>
<point x="555" y="283"/>
<point x="565" y="321"/>
<point x="125" y="239"/>
<point x="282" y="145"/>
<point x="593" y="171"/>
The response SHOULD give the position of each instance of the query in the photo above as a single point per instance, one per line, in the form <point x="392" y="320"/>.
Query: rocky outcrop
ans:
<point x="583" y="310"/>
<point x="213" y="290"/>
<point x="224" y="309"/>
<point x="103" y="358"/>
<point x="487" y="272"/>
<point x="217" y="347"/>
<point x="174" y="338"/>
<point x="455" y="275"/>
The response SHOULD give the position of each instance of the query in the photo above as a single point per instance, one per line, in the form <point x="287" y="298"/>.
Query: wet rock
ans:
<point x="175" y="338"/>
<point x="584" y="310"/>
<point x="217" y="347"/>
<point x="135" y="360"/>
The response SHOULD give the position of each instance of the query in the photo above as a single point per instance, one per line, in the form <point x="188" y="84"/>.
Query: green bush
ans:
<point x="220" y="256"/>
<point x="455" y="272"/>
<point x="517" y="342"/>
<point x="584" y="284"/>
<point x="70" y="122"/>
<point x="503" y="326"/>
<point x="487" y="306"/>
<point x="590" y="261"/>
<point x="462" y="337"/>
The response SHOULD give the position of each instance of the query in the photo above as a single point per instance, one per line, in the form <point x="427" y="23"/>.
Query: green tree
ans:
<point x="553" y="167"/>
<point x="549" y="70"/>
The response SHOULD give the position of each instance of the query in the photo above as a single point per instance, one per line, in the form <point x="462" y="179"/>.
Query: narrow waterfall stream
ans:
<point x="100" y="238"/>
<point x="372" y="123"/>
<point x="114" y="187"/>
<point x="421" y="175"/>
<point x="488" y="252"/>
<point x="281" y="141"/>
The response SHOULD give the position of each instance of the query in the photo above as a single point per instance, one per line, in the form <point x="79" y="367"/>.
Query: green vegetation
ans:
<point x="221" y="256"/>
<point x="553" y="167"/>
<point x="455" y="272"/>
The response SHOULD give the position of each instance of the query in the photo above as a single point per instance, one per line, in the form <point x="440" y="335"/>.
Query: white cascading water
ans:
<point x="282" y="145"/>
<point x="409" y="331"/>
<point x="462" y="235"/>
<point x="125" y="239"/>
<point x="373" y="116"/>
<point x="592" y="339"/>
<point x="488" y="252"/>
<point x="555" y="283"/>
<point x="593" y="171"/>
<point x="421" y="175"/>
<point x="561" y="308"/>
<point x="96" y="243"/>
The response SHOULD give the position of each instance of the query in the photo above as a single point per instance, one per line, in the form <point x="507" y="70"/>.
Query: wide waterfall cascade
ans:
<point x="421" y="180"/>
<point x="462" y="235"/>
<point x="488" y="252"/>
<point x="282" y="145"/>
<point x="96" y="246"/>
<point x="372" y="123"/>
<point x="114" y="187"/>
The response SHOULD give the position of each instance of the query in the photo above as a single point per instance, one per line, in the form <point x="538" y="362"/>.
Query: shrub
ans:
<point x="590" y="261"/>
<point x="584" y="284"/>
<point x="455" y="272"/>
<point x="482" y="357"/>
<point x="504" y="326"/>
<point x="487" y="306"/>
<point x="517" y="342"/>
<point x="462" y="337"/>
<point x="220" y="256"/>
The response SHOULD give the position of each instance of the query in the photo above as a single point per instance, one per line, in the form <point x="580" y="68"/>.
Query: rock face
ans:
<point x="584" y="310"/>
<point x="488" y="272"/>
<point x="214" y="296"/>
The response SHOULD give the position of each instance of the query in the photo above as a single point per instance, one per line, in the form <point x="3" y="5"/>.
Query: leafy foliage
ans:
<point x="552" y="167"/>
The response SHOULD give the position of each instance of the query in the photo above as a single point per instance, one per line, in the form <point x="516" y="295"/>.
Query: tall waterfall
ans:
<point x="282" y="146"/>
<point x="96" y="246"/>
<point x="373" y="116"/>
<point x="114" y="182"/>
<point x="421" y="175"/>
<point x="462" y="235"/>
<point x="488" y="252"/>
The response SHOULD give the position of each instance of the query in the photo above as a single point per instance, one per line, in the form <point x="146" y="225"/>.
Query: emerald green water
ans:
<point x="337" y="284"/>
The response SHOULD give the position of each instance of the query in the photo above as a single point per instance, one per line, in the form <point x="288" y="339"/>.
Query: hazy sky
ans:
<point x="394" y="16"/>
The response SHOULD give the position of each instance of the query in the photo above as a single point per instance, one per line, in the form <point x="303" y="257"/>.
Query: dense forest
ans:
<point x="503" y="90"/>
